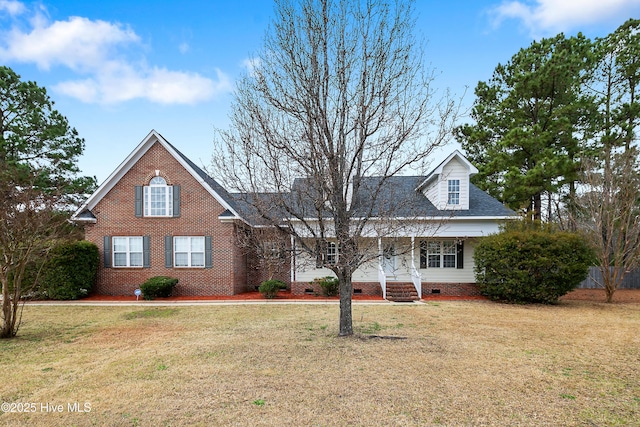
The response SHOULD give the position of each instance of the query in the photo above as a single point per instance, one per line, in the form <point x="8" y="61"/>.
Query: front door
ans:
<point x="389" y="259"/>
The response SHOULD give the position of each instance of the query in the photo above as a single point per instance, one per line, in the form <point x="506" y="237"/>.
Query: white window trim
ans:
<point x="168" y="197"/>
<point x="441" y="253"/>
<point x="331" y="253"/>
<point x="453" y="192"/>
<point x="189" y="252"/>
<point x="128" y="252"/>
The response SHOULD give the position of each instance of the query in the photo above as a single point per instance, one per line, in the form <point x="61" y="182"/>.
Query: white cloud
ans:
<point x="551" y="16"/>
<point x="79" y="43"/>
<point x="121" y="83"/>
<point x="12" y="7"/>
<point x="96" y="51"/>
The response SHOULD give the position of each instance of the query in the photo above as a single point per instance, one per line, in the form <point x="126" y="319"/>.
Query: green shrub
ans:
<point x="70" y="271"/>
<point x="158" y="287"/>
<point x="529" y="263"/>
<point x="330" y="285"/>
<point x="270" y="288"/>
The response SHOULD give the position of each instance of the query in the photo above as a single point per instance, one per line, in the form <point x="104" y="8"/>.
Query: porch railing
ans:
<point x="382" y="278"/>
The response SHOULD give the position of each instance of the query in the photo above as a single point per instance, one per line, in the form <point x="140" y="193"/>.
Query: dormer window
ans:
<point x="453" y="192"/>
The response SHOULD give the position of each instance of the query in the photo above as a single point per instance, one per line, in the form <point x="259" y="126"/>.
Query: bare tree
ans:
<point x="267" y="249"/>
<point x="337" y="95"/>
<point x="610" y="216"/>
<point x="30" y="222"/>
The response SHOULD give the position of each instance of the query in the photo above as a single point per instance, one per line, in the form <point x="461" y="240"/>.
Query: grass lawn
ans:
<point x="473" y="363"/>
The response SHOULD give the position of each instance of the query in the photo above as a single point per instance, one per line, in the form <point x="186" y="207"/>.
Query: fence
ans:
<point x="631" y="280"/>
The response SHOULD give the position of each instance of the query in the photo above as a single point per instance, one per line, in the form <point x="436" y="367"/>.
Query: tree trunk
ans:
<point x="537" y="207"/>
<point x="346" y="317"/>
<point x="609" y="291"/>
<point x="8" y="317"/>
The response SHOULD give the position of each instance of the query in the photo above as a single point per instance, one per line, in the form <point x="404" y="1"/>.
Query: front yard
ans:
<point x="457" y="363"/>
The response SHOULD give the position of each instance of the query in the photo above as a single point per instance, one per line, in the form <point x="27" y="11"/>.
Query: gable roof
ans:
<point x="438" y="169"/>
<point x="399" y="196"/>
<point x="209" y="184"/>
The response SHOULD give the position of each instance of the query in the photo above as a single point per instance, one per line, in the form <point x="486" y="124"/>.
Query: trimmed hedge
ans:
<point x="158" y="287"/>
<point x="330" y="285"/>
<point x="71" y="270"/>
<point x="529" y="263"/>
<point x="270" y="288"/>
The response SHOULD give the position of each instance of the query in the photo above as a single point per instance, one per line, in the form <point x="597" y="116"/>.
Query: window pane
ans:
<point x="434" y="247"/>
<point x="453" y="188"/>
<point x="181" y="244"/>
<point x="197" y="260"/>
<point x="120" y="259"/>
<point x="135" y="244"/>
<point x="197" y="244"/>
<point x="434" y="261"/>
<point x="182" y="259"/>
<point x="119" y="244"/>
<point x="449" y="247"/>
<point x="158" y="201"/>
<point x="449" y="261"/>
<point x="136" y="259"/>
<point x="158" y="180"/>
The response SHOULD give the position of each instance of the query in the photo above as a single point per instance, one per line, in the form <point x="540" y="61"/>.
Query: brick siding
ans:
<point x="199" y="213"/>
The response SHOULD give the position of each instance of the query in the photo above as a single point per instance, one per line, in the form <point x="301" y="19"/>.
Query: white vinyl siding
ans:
<point x="454" y="172"/>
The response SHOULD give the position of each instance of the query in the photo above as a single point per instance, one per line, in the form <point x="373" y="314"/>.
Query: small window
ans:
<point x="332" y="253"/>
<point x="127" y="251"/>
<point x="453" y="191"/>
<point x="188" y="251"/>
<point x="327" y="257"/>
<point x="158" y="198"/>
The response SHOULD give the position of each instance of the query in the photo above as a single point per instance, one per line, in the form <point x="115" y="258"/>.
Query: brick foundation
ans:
<point x="450" y="289"/>
<point x="373" y="288"/>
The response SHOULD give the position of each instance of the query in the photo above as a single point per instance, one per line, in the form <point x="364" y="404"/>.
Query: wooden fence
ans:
<point x="631" y="280"/>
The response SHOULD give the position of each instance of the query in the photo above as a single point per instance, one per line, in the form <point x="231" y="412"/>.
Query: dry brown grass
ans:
<point x="462" y="363"/>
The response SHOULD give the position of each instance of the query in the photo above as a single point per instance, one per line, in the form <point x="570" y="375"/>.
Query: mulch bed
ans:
<point x="596" y="295"/>
<point x="246" y="296"/>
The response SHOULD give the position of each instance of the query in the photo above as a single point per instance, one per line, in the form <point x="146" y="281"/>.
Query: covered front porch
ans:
<point x="403" y="269"/>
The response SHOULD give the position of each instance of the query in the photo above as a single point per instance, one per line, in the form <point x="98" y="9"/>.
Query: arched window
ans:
<point x="158" y="198"/>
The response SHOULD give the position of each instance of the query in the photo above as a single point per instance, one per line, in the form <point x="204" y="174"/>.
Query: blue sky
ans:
<point x="117" y="69"/>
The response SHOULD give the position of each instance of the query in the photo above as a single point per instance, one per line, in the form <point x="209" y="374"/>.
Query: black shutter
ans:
<point x="176" y="200"/>
<point x="319" y="255"/>
<point x="460" y="254"/>
<point x="423" y="254"/>
<point x="107" y="251"/>
<point x="168" y="251"/>
<point x="138" y="201"/>
<point x="146" y="251"/>
<point x="208" y="252"/>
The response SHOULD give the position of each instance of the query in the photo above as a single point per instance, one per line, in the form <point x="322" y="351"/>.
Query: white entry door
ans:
<point x="389" y="259"/>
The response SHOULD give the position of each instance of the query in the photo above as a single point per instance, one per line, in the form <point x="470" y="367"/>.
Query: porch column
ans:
<point x="416" y="277"/>
<point x="381" y="274"/>
<point x="292" y="264"/>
